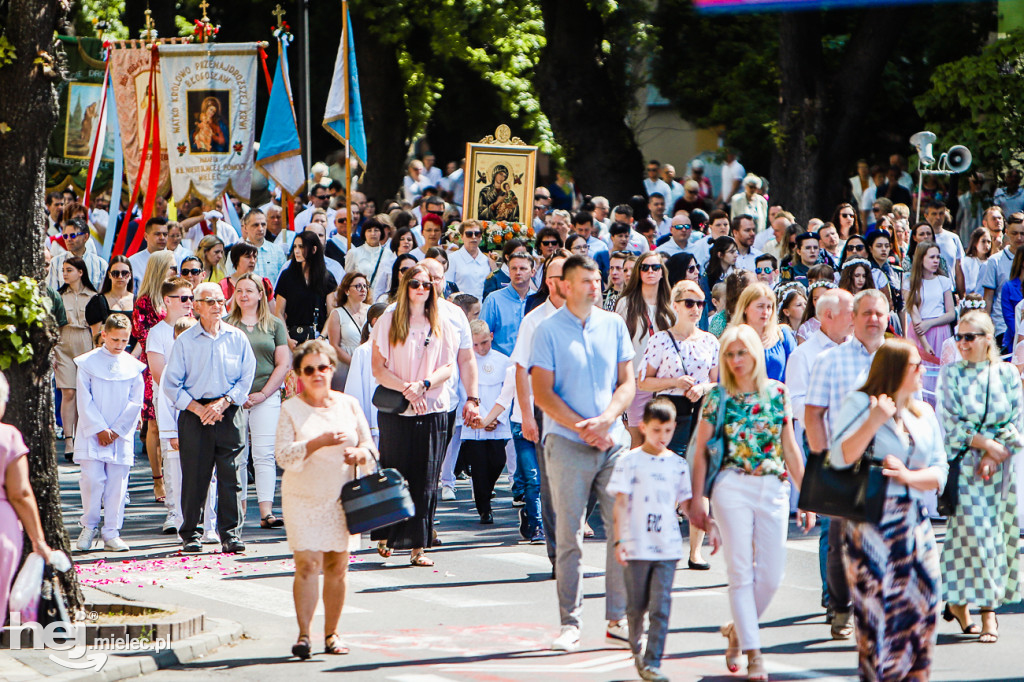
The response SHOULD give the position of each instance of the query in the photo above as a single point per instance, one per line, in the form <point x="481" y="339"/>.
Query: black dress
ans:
<point x="98" y="309"/>
<point x="306" y="309"/>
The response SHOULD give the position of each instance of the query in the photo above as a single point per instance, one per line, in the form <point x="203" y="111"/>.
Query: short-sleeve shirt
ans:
<point x="584" y="360"/>
<point x="776" y="357"/>
<point x="753" y="428"/>
<point x="933" y="296"/>
<point x="951" y="248"/>
<point x="160" y="340"/>
<point x="419" y="355"/>
<point x="692" y="357"/>
<point x="836" y="373"/>
<point x="304" y="306"/>
<point x="264" y="344"/>
<point x="655" y="485"/>
<point x="12" y="446"/>
<point x="994" y="276"/>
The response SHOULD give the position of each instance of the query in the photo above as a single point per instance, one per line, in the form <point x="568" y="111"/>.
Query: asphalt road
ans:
<point x="486" y="611"/>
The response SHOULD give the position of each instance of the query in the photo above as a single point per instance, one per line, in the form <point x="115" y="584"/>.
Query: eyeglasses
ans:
<point x="969" y="337"/>
<point x="690" y="303"/>
<point x="360" y="286"/>
<point x="650" y="267"/>
<point x="121" y="273"/>
<point x="75" y="235"/>
<point x="856" y="247"/>
<point x="418" y="284"/>
<point x="191" y="271"/>
<point x="549" y="242"/>
<point x="693" y="268"/>
<point x="683" y="226"/>
<point x="876" y="209"/>
<point x="766" y="270"/>
<point x="211" y="301"/>
<point x="184" y="298"/>
<point x="339" y="221"/>
<point x="472" y="234"/>
<point x="310" y="370"/>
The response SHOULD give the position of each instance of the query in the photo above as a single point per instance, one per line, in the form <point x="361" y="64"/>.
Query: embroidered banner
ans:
<point x="208" y="109"/>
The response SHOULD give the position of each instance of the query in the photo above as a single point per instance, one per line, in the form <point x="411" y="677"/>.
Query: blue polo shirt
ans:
<point x="585" y="360"/>
<point x="503" y="312"/>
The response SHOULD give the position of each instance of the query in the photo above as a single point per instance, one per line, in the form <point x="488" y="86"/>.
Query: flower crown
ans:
<point x="819" y="284"/>
<point x="856" y="261"/>
<point x="783" y="290"/>
<point x="971" y="305"/>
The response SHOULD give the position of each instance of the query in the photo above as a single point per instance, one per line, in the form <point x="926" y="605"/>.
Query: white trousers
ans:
<point x="105" y="486"/>
<point x="451" y="457"/>
<point x="262" y="420"/>
<point x="752" y="513"/>
<point x="172" y="487"/>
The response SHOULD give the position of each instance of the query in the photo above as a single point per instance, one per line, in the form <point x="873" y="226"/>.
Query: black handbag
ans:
<point x="389" y="400"/>
<point x="949" y="498"/>
<point x="377" y="500"/>
<point x="856" y="493"/>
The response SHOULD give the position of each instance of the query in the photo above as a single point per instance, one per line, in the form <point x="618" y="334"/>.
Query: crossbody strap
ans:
<point x="984" y="415"/>
<point x="377" y="266"/>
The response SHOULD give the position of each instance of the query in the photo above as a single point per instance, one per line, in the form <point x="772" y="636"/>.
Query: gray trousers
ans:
<point x="574" y="470"/>
<point x="649" y="590"/>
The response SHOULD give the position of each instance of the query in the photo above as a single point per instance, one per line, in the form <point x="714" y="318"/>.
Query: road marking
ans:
<point x="531" y="561"/>
<point x="420" y="678"/>
<point x="443" y="596"/>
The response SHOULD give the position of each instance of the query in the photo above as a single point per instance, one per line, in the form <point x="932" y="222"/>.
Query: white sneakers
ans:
<point x="617" y="636"/>
<point x="211" y="537"/>
<point x="567" y="640"/>
<point x="650" y="674"/>
<point x="86" y="539"/>
<point x="116" y="545"/>
<point x="447" y="494"/>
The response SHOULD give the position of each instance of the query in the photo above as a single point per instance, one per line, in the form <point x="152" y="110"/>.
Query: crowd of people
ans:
<point x="676" y="357"/>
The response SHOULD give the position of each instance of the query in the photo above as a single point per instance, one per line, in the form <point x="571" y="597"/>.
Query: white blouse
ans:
<point x="696" y="357"/>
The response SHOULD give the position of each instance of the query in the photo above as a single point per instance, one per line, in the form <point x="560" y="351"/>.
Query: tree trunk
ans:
<point x="387" y="125"/>
<point x="586" y="102"/>
<point x="29" y="107"/>
<point x="821" y="113"/>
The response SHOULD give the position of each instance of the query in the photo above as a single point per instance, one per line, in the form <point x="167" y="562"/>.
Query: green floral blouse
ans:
<point x="753" y="428"/>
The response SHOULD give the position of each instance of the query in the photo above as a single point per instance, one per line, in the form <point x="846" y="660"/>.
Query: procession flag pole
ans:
<point x="348" y="144"/>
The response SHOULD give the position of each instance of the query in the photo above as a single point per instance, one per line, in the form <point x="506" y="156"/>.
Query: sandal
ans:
<point x="732" y="652"/>
<point x="383" y="549"/>
<point x="158" y="489"/>
<point x="334" y="646"/>
<point x="968" y="629"/>
<point x="588" y="532"/>
<point x="271" y="521"/>
<point x="756" y="671"/>
<point x="420" y="559"/>
<point x="989" y="637"/>
<point x="301" y="648"/>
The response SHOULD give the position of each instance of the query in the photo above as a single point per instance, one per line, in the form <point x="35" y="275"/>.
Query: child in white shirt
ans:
<point x="110" y="394"/>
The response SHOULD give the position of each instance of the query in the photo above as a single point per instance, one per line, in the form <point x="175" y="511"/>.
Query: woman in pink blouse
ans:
<point x="414" y="351"/>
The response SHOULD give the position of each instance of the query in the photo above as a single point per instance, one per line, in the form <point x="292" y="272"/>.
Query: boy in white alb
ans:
<point x="110" y="394"/>
<point x="650" y="483"/>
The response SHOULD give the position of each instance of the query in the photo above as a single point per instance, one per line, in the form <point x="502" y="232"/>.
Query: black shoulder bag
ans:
<point x="388" y="399"/>
<point x="376" y="500"/>
<point x="949" y="498"/>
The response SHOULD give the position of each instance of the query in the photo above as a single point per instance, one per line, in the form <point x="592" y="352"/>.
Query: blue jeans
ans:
<point x="823" y="524"/>
<point x="526" y="467"/>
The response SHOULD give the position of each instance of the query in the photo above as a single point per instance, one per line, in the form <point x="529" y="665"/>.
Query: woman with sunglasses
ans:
<point x="303" y="288"/>
<point x="922" y="233"/>
<point x="191" y="268"/>
<point x="854" y="248"/>
<point x="756" y="308"/>
<point x="269" y="340"/>
<point x="75" y="339"/>
<point x="414" y="352"/>
<point x="402" y="264"/>
<point x="469" y="266"/>
<point x="320" y="436"/>
<point x="115" y="296"/>
<point x="548" y="241"/>
<point x="345" y="323"/>
<point x="685" y="266"/>
<point x="980" y="405"/>
<point x="681" y="364"/>
<point x="646" y="306"/>
<point x="893" y="566"/>
<point x="402" y="242"/>
<point x="847" y="220"/>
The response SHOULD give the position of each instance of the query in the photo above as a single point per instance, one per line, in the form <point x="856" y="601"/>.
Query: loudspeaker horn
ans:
<point x="923" y="141"/>
<point x="958" y="158"/>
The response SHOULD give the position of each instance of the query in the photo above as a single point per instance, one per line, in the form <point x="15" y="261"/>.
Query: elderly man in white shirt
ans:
<point x="750" y="202"/>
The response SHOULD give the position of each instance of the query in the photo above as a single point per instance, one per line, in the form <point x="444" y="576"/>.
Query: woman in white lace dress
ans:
<point x="319" y="435"/>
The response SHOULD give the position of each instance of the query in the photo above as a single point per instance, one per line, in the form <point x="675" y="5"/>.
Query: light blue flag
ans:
<point x="337" y="107"/>
<point x="115" y="190"/>
<point x="280" y="154"/>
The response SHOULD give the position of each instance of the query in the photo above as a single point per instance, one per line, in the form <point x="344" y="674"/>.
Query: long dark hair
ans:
<point x="79" y="265"/>
<point x="714" y="269"/>
<point x="636" y="306"/>
<point x="396" y="276"/>
<point x="858" y="226"/>
<point x="396" y="239"/>
<point x="912" y="247"/>
<point x="846" y="248"/>
<point x="313" y="254"/>
<point x="108" y="283"/>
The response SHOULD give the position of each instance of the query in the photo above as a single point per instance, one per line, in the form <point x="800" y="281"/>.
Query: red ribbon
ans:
<point x="266" y="71"/>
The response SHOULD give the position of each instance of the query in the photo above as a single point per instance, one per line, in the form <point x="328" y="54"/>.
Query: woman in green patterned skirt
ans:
<point x="980" y="403"/>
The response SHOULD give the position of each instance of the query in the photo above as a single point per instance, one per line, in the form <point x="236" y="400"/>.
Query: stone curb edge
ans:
<point x="221" y="633"/>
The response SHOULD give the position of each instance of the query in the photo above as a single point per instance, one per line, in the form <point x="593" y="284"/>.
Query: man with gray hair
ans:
<point x="207" y="377"/>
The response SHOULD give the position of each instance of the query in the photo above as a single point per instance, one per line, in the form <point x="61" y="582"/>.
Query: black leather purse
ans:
<point x="389" y="400"/>
<point x="375" y="501"/>
<point x="856" y="493"/>
<point x="949" y="498"/>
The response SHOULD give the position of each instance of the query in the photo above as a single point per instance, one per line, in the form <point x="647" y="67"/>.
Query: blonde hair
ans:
<point x="264" y="320"/>
<point x="479" y="327"/>
<point x="205" y="244"/>
<point x="156" y="275"/>
<point x="399" y="330"/>
<point x="685" y="286"/>
<point x="746" y="335"/>
<point x="981" y="321"/>
<point x="183" y="325"/>
<point x="750" y="294"/>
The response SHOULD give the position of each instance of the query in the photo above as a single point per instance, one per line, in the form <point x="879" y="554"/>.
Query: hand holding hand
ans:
<point x="593" y="429"/>
<point x="471" y="413"/>
<point x="997" y="451"/>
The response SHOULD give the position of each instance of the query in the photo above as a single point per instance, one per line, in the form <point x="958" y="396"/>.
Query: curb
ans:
<point x="221" y="633"/>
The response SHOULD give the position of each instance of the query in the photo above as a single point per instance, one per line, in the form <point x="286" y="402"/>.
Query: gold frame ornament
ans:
<point x="499" y="180"/>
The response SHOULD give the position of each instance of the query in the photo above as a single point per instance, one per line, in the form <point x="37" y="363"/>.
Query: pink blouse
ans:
<point x="419" y="356"/>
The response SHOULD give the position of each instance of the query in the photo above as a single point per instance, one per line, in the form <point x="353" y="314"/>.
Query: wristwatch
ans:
<point x="473" y="399"/>
<point x="426" y="384"/>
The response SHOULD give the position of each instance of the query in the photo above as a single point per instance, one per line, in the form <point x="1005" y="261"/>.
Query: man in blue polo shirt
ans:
<point x="582" y="372"/>
<point x="503" y="310"/>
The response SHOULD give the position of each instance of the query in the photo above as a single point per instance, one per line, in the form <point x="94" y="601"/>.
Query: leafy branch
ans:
<point x="23" y="309"/>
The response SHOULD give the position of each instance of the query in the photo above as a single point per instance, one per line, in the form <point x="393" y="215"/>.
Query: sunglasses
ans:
<point x="650" y="267"/>
<point x="693" y="268"/>
<point x="969" y="337"/>
<point x="857" y="247"/>
<point x="418" y="284"/>
<point x="310" y="370"/>
<point x="548" y="242"/>
<point x="846" y="215"/>
<point x="75" y="235"/>
<point x="184" y="298"/>
<point x="472" y="234"/>
<point x="120" y="273"/>
<point x="690" y="303"/>
<point x="191" y="271"/>
<point x="341" y="221"/>
<point x="876" y="209"/>
<point x="766" y="270"/>
<point x="210" y="301"/>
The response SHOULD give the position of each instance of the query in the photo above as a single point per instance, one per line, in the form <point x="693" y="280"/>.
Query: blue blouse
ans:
<point x="776" y="357"/>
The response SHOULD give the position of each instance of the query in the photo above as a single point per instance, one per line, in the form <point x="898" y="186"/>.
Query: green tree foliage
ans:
<point x="22" y="310"/>
<point x="978" y="101"/>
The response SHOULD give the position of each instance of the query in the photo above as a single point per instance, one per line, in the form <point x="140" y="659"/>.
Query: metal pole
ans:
<point x="348" y="108"/>
<point x="307" y="133"/>
<point x="920" y="184"/>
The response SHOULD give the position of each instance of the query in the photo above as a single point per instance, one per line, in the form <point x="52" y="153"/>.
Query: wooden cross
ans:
<point x="203" y="6"/>
<point x="278" y="13"/>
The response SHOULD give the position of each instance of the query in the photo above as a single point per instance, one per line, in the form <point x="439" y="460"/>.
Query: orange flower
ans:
<point x="529" y="231"/>
<point x="498" y="238"/>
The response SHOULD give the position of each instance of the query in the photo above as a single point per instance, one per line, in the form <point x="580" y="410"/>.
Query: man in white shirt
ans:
<point x="637" y="244"/>
<point x="156" y="240"/>
<point x="270" y="259"/>
<point x="415" y="182"/>
<point x="997" y="272"/>
<point x="680" y="232"/>
<point x="76" y="237"/>
<point x="455" y="184"/>
<point x="743" y="233"/>
<point x="277" y="233"/>
<point x="656" y="214"/>
<point x="867" y="199"/>
<point x="668" y="174"/>
<point x="54" y="207"/>
<point x="950" y="246"/>
<point x="750" y="202"/>
<point x="432" y="172"/>
<point x="906" y="179"/>
<point x="718" y="226"/>
<point x="602" y="216"/>
<point x="835" y="312"/>
<point x="732" y="175"/>
<point x="319" y="197"/>
<point x="653" y="184"/>
<point x="1011" y="197"/>
<point x="775" y="235"/>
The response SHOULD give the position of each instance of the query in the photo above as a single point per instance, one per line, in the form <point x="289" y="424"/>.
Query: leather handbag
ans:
<point x="389" y="400"/>
<point x="377" y="500"/>
<point x="949" y="498"/>
<point x="715" y="448"/>
<point x="856" y="493"/>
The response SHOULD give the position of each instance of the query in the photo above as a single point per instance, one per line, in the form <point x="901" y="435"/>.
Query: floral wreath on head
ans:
<point x="819" y="284"/>
<point x="784" y="290"/>
<point x="966" y="305"/>
<point x="857" y="261"/>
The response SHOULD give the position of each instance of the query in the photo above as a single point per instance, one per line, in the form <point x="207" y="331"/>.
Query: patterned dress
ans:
<point x="981" y="561"/>
<point x="145" y="318"/>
